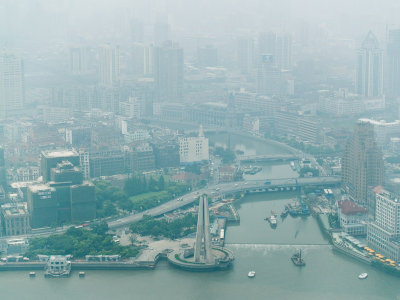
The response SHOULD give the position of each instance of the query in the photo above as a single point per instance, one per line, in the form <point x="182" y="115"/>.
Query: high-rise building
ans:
<point x="78" y="60"/>
<point x="268" y="76"/>
<point x="168" y="72"/>
<point x="393" y="64"/>
<point x="109" y="65"/>
<point x="161" y="31"/>
<point x="266" y="43"/>
<point x="283" y="51"/>
<point x="3" y="177"/>
<point x="245" y="55"/>
<point x="369" y="73"/>
<point x="362" y="163"/>
<point x="11" y="84"/>
<point x="280" y="46"/>
<point x="383" y="234"/>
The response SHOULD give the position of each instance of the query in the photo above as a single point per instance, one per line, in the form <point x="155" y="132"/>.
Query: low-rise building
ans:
<point x="352" y="217"/>
<point x="15" y="219"/>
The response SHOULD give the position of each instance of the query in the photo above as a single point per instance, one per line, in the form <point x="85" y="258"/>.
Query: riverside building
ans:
<point x="362" y="163"/>
<point x="384" y="233"/>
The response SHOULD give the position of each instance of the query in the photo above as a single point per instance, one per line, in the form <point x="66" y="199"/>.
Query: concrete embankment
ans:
<point x="351" y="253"/>
<point x="81" y="265"/>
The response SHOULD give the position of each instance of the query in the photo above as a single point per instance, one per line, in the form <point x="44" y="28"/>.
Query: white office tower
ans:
<point x="109" y="65"/>
<point x="11" y="84"/>
<point x="193" y="149"/>
<point x="369" y="73"/>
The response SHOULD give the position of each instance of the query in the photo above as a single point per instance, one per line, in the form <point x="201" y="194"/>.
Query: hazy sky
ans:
<point x="97" y="19"/>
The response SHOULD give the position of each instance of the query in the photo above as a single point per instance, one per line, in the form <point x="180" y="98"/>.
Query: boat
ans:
<point x="297" y="259"/>
<point x="251" y="274"/>
<point x="284" y="213"/>
<point x="82" y="274"/>
<point x="363" y="275"/>
<point x="272" y="221"/>
<point x="32" y="274"/>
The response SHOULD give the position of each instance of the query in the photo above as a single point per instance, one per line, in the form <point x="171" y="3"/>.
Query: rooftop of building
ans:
<point x="348" y="207"/>
<point x="14" y="209"/>
<point x="59" y="153"/>
<point x="40" y="187"/>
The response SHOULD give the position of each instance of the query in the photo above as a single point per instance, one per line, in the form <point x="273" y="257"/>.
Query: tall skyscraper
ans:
<point x="78" y="60"/>
<point x="11" y="84"/>
<point x="369" y="73"/>
<point x="280" y="46"/>
<point x="266" y="43"/>
<point x="245" y="54"/>
<point x="168" y="71"/>
<point x="393" y="64"/>
<point x="109" y="65"/>
<point x="362" y="163"/>
<point x="3" y="177"/>
<point x="283" y="51"/>
<point x="268" y="76"/>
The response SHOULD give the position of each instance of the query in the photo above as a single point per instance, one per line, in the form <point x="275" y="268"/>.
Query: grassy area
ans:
<point x="80" y="242"/>
<point x="151" y="199"/>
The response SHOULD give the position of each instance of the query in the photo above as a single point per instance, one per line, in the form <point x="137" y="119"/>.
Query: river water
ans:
<point x="257" y="247"/>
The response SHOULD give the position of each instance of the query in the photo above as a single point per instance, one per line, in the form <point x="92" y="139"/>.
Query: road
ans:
<point x="224" y="188"/>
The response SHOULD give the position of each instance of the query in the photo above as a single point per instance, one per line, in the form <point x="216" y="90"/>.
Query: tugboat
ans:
<point x="298" y="260"/>
<point x="284" y="213"/>
<point x="272" y="221"/>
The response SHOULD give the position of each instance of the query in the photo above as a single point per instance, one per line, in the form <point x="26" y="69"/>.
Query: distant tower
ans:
<point x="168" y="72"/>
<point x="78" y="60"/>
<point x="245" y="54"/>
<point x="11" y="84"/>
<point x="109" y="65"/>
<point x="3" y="177"/>
<point x="362" y="163"/>
<point x="369" y="77"/>
<point x="161" y="30"/>
<point x="202" y="251"/>
<point x="268" y="76"/>
<point x="393" y="64"/>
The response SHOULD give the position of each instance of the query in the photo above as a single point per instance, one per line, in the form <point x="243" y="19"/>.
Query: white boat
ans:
<point x="251" y="274"/>
<point x="363" y="275"/>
